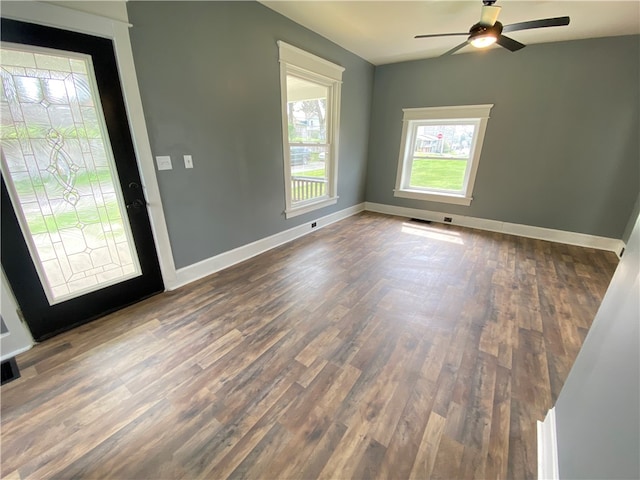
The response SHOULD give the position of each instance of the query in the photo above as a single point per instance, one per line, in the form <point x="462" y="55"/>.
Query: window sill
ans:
<point x="309" y="207"/>
<point x="434" y="197"/>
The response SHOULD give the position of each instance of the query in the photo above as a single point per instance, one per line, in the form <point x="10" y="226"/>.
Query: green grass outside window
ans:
<point x="436" y="173"/>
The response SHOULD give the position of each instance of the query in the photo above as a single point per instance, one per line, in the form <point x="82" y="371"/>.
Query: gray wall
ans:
<point x="597" y="412"/>
<point x="210" y="85"/>
<point x="561" y="149"/>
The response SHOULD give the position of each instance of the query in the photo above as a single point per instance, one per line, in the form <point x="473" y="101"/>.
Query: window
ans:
<point x="310" y="89"/>
<point x="439" y="152"/>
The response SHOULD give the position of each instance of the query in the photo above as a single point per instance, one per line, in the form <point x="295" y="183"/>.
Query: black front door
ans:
<point x="76" y="237"/>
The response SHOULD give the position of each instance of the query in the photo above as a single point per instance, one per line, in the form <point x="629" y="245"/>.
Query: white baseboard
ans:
<point x="540" y="233"/>
<point x="226" y="259"/>
<point x="14" y="353"/>
<point x="548" y="448"/>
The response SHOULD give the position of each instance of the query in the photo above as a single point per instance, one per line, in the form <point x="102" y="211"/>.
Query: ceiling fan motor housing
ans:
<point x="478" y="30"/>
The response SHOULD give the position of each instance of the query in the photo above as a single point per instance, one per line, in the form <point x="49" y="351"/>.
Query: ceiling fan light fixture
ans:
<point x="483" y="41"/>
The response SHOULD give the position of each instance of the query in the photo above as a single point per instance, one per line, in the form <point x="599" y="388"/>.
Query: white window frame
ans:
<point x="299" y="63"/>
<point x="413" y="118"/>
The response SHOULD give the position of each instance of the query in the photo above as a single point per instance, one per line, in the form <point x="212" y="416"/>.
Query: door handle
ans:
<point x="136" y="204"/>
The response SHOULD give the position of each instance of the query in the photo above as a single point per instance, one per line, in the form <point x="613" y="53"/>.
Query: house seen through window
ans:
<point x="440" y="152"/>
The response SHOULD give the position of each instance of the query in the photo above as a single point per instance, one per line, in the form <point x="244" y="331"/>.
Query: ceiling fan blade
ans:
<point x="489" y="15"/>
<point x="441" y="35"/>
<point x="455" y="49"/>
<point x="547" y="22"/>
<point x="509" y="43"/>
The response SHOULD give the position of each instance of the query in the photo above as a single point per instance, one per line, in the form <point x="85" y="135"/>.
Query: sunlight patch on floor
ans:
<point x="432" y="233"/>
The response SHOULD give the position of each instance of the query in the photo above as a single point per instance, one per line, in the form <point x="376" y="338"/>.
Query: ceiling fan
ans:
<point x="489" y="30"/>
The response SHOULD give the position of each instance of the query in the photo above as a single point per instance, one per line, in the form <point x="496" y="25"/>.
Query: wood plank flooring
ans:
<point x="376" y="347"/>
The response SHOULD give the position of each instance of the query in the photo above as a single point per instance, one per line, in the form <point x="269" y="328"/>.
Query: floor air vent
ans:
<point x="9" y="371"/>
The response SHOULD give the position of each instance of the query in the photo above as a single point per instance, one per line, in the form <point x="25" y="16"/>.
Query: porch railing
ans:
<point x="306" y="188"/>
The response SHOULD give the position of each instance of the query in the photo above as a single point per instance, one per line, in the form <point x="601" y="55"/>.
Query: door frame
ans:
<point x="61" y="17"/>
<point x="18" y="338"/>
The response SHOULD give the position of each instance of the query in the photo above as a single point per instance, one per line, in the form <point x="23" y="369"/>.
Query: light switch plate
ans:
<point x="188" y="161"/>
<point x="164" y="162"/>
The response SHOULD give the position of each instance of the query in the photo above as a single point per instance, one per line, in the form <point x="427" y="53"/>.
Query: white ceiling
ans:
<point x="382" y="31"/>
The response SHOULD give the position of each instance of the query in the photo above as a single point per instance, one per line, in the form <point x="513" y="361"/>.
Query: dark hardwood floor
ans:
<point x="376" y="347"/>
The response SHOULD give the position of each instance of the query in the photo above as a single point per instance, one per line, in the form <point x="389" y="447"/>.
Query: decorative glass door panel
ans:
<point x="59" y="168"/>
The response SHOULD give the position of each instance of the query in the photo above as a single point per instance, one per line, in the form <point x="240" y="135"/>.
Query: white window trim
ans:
<point x="476" y="114"/>
<point x="308" y="66"/>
